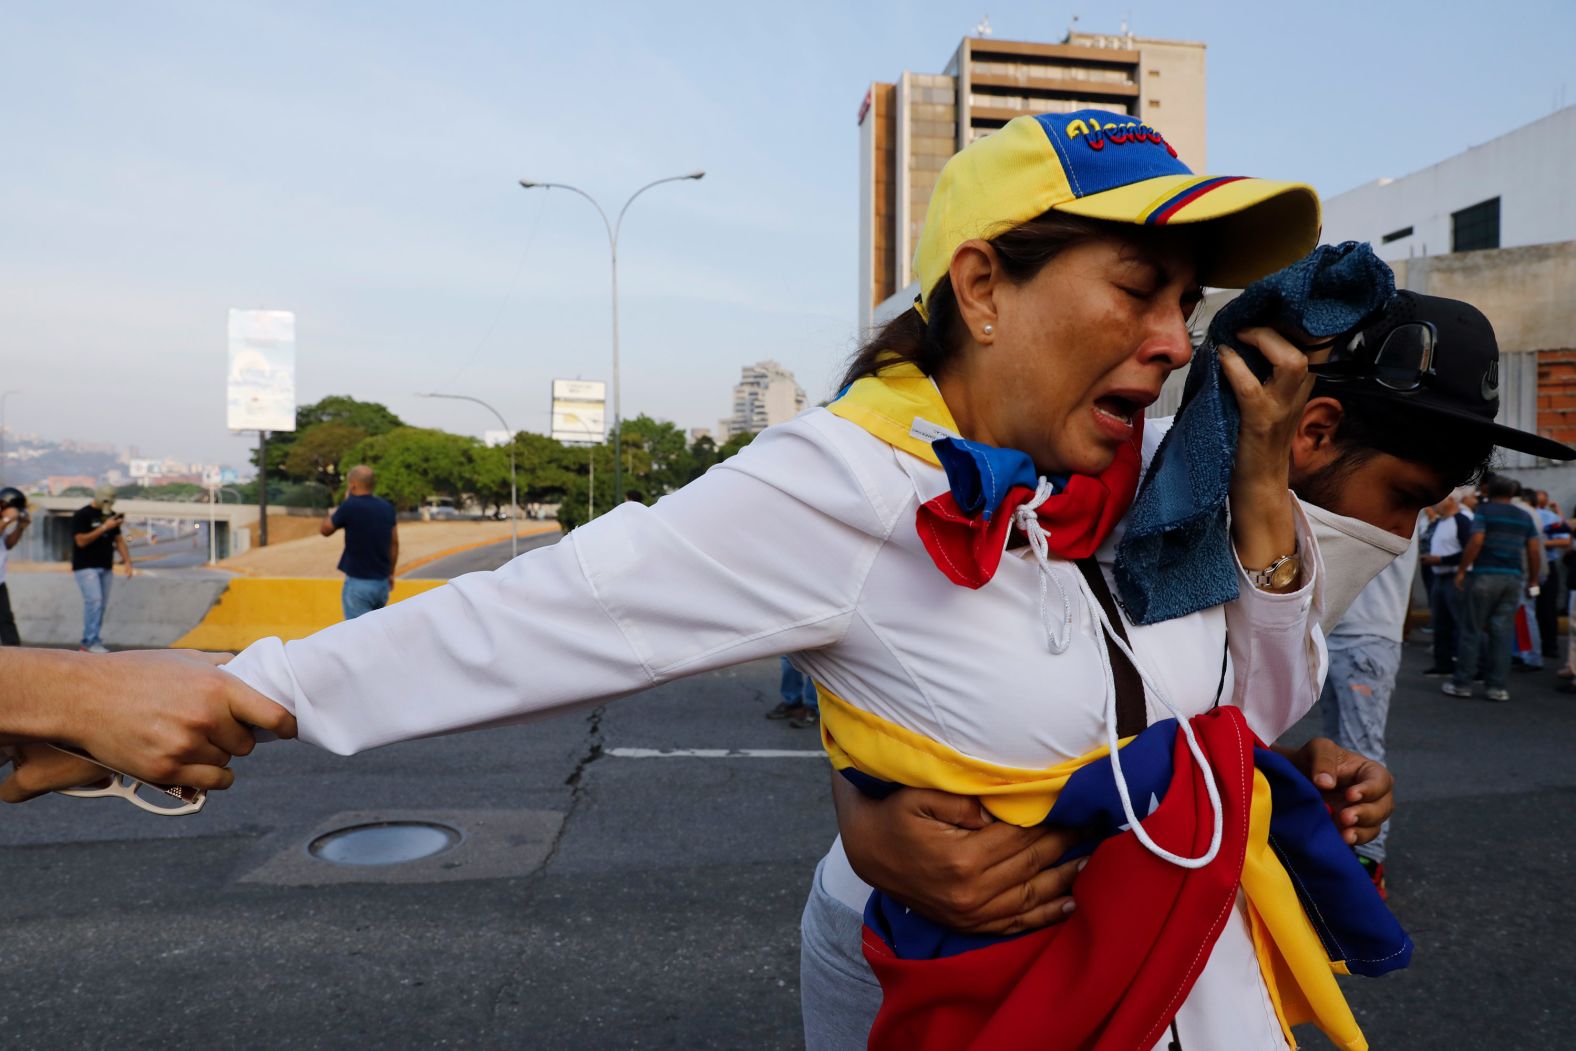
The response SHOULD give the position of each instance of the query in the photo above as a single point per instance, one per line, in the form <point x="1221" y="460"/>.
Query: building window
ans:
<point x="1476" y="227"/>
<point x="1154" y="103"/>
<point x="1396" y="235"/>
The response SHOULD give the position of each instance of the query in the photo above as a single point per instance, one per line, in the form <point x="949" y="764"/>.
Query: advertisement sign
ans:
<point x="580" y="411"/>
<point x="261" y="393"/>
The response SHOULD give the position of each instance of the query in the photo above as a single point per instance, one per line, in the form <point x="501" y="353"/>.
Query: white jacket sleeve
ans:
<point x="763" y="555"/>
<point x="1277" y="648"/>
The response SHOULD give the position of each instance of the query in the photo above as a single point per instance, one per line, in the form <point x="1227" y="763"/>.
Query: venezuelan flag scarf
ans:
<point x="966" y="530"/>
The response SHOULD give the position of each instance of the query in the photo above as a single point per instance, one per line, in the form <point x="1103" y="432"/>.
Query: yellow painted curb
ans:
<point x="253" y="608"/>
<point x="407" y="567"/>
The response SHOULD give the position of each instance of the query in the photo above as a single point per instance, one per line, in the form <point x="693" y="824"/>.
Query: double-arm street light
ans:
<point x="514" y="521"/>
<point x="612" y="243"/>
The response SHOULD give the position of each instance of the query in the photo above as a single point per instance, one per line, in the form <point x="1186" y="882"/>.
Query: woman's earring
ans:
<point x="989" y="328"/>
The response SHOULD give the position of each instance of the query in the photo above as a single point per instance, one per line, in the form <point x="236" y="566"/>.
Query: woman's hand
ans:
<point x="1359" y="790"/>
<point x="167" y="717"/>
<point x="40" y="769"/>
<point x="1262" y="524"/>
<point x="947" y="859"/>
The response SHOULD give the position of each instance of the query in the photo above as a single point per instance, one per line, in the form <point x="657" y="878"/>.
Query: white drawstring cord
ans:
<point x="1026" y="517"/>
<point x="1116" y="763"/>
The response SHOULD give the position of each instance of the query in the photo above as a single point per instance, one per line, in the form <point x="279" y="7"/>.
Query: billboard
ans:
<point x="261" y="394"/>
<point x="579" y="411"/>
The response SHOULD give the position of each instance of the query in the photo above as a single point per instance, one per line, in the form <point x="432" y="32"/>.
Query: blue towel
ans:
<point x="1176" y="556"/>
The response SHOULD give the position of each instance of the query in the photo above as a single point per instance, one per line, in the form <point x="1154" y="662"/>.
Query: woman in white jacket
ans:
<point x="1061" y="259"/>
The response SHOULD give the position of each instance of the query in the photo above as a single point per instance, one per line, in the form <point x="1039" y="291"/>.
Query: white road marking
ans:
<point x="713" y="753"/>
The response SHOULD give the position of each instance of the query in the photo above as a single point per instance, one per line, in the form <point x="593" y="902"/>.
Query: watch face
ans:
<point x="1285" y="572"/>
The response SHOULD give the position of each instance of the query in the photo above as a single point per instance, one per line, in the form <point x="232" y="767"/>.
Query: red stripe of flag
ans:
<point x="1187" y="197"/>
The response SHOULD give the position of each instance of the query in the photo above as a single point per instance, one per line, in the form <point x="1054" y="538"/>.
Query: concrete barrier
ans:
<point x="202" y="613"/>
<point x="145" y="611"/>
<point x="253" y="608"/>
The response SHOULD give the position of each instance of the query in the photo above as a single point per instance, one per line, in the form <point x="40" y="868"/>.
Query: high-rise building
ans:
<point x="909" y="128"/>
<point x="766" y="394"/>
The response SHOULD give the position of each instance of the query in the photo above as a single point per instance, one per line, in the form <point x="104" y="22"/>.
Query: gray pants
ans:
<point x="1490" y="608"/>
<point x="837" y="992"/>
<point x="1356" y="702"/>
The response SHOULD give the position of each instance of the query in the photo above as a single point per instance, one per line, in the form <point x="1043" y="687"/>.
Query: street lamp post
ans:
<point x="3" y="396"/>
<point x="591" y="462"/>
<point x="613" y="229"/>
<point x="514" y="519"/>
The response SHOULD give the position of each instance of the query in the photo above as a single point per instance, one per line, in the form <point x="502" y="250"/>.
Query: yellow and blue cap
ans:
<point x="1110" y="166"/>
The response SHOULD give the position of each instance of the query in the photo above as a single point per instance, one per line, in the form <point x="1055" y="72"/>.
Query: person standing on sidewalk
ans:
<point x="1493" y="578"/>
<point x="1365" y="654"/>
<point x="1451" y="531"/>
<point x="14" y="520"/>
<point x="95" y="537"/>
<point x="371" y="544"/>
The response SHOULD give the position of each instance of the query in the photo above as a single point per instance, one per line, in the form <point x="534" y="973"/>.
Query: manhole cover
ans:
<point x="383" y="843"/>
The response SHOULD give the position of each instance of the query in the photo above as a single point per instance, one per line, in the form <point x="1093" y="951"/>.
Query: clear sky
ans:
<point x="357" y="163"/>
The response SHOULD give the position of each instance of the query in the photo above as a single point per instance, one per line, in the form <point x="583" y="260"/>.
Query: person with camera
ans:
<point x="14" y="521"/>
<point x="95" y="537"/>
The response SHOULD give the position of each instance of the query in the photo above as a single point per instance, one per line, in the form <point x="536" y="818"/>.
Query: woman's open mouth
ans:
<point x="1118" y="408"/>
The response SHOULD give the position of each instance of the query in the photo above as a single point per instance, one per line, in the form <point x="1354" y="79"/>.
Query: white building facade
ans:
<point x="765" y="395"/>
<point x="1509" y="192"/>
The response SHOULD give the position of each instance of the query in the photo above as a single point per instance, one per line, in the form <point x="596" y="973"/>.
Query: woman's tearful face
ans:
<point x="1082" y="348"/>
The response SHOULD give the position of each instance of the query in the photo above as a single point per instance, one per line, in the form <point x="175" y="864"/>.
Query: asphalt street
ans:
<point x="605" y="901"/>
<point x="479" y="559"/>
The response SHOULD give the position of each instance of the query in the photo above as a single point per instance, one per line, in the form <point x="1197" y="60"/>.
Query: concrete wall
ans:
<point x="1528" y="293"/>
<point x="145" y="611"/>
<point x="210" y="614"/>
<point x="1528" y="169"/>
<point x="1172" y="96"/>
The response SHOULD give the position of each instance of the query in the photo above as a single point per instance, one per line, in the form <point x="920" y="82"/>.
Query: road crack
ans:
<point x="576" y="782"/>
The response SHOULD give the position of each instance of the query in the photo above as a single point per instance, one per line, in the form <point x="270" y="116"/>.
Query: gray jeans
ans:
<point x="1356" y="702"/>
<point x="838" y="994"/>
<point x="1489" y="609"/>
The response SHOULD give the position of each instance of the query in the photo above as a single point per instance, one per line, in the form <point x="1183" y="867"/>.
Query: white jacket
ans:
<point x="804" y="544"/>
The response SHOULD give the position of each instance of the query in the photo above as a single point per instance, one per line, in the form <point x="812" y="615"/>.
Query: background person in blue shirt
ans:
<point x="1493" y="576"/>
<point x="371" y="544"/>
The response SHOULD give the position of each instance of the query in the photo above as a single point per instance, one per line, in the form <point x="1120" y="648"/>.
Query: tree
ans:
<point x="488" y="478"/>
<point x="702" y="455"/>
<point x="734" y="444"/>
<point x="413" y="463"/>
<point x="670" y="462"/>
<point x="315" y="454"/>
<point x="368" y="416"/>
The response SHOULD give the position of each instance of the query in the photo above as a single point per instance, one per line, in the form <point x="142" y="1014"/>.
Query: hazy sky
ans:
<point x="356" y="163"/>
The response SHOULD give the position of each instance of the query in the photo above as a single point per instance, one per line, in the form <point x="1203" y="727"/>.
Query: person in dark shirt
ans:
<point x="1502" y="535"/>
<point x="95" y="537"/>
<point x="371" y="544"/>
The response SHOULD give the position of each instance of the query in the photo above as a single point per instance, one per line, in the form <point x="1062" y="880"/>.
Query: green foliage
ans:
<point x="734" y="444"/>
<point x="668" y="459"/>
<point x="315" y="454"/>
<point x="307" y="494"/>
<point x="413" y="463"/>
<point x="367" y="416"/>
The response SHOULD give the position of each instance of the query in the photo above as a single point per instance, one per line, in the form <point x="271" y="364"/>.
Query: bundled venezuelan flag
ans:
<point x="1114" y="973"/>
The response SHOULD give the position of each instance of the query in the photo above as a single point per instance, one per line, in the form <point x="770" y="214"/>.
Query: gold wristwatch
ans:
<point x="1281" y="573"/>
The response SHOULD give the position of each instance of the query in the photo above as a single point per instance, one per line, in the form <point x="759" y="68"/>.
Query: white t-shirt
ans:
<point x="1380" y="608"/>
<point x="1447" y="542"/>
